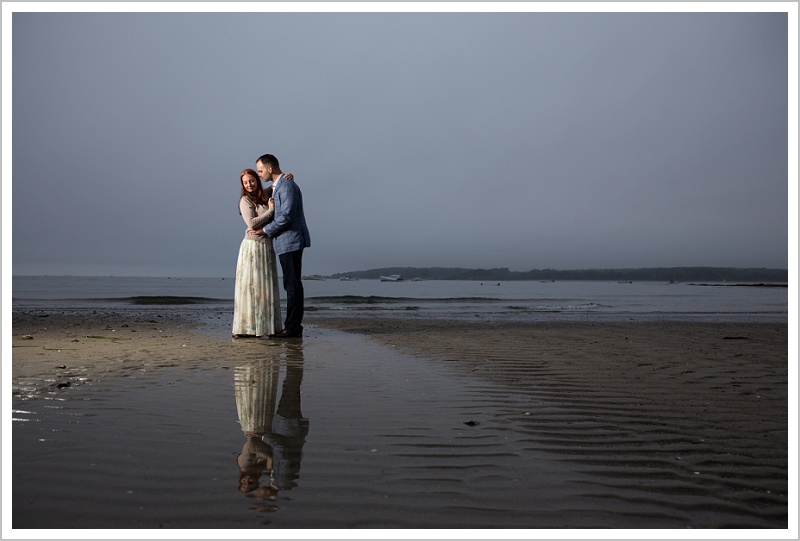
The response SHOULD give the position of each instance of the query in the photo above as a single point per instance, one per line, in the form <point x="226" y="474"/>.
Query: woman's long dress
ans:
<point x="256" y="390"/>
<point x="257" y="303"/>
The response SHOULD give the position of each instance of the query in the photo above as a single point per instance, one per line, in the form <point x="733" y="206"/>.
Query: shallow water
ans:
<point x="518" y="300"/>
<point x="360" y="436"/>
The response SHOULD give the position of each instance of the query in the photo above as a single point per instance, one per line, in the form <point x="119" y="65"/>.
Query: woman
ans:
<point x="257" y="303"/>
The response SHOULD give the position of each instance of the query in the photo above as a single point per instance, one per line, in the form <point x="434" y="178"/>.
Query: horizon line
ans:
<point x="178" y="276"/>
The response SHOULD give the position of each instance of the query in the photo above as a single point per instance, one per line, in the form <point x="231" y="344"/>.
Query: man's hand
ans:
<point x="257" y="232"/>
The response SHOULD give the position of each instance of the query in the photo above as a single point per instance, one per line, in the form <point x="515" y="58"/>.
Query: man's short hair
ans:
<point x="268" y="160"/>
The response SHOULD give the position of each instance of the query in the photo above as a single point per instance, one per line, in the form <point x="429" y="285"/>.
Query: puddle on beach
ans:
<point x="333" y="431"/>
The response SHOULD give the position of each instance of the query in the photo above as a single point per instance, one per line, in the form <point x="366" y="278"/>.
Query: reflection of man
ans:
<point x="289" y="427"/>
<point x="290" y="237"/>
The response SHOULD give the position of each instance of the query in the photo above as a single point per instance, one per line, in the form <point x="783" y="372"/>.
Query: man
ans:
<point x="290" y="237"/>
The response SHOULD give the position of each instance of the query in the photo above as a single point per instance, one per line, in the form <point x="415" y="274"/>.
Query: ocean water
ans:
<point x="518" y="300"/>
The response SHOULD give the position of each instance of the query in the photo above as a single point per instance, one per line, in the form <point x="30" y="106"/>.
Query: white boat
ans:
<point x="348" y="279"/>
<point x="391" y="278"/>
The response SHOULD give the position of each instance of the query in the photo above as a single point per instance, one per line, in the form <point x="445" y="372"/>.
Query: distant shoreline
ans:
<point x="741" y="285"/>
<point x="654" y="274"/>
<point x="738" y="276"/>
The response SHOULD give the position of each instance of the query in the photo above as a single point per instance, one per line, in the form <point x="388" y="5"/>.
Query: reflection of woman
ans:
<point x="255" y="387"/>
<point x="257" y="304"/>
<point x="254" y="460"/>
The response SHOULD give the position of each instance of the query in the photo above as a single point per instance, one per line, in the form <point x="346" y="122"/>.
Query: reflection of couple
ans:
<point x="275" y="439"/>
<point x="276" y="225"/>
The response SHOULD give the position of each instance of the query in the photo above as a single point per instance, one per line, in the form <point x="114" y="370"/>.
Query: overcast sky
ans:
<point x="482" y="140"/>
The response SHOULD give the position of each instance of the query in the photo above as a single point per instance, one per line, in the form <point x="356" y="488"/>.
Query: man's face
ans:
<point x="263" y="171"/>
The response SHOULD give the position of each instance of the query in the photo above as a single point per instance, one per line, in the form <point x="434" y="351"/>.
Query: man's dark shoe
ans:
<point x="289" y="334"/>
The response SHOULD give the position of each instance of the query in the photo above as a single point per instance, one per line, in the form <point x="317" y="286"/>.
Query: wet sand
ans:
<point x="733" y="373"/>
<point x="736" y="365"/>
<point x="682" y="411"/>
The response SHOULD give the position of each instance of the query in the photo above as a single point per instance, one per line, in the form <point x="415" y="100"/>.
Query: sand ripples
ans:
<point x="421" y="430"/>
<point x="697" y="441"/>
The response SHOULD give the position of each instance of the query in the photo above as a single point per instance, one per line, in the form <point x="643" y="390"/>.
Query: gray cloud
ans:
<point x="522" y="140"/>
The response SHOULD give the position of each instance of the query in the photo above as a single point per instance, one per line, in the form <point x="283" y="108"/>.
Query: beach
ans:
<point x="66" y="347"/>
<point x="739" y="366"/>
<point x="711" y="362"/>
<point x="691" y="417"/>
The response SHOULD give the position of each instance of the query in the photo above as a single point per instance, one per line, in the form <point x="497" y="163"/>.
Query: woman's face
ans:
<point x="247" y="483"/>
<point x="250" y="183"/>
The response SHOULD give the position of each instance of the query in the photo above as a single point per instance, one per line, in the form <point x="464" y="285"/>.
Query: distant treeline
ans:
<point x="676" y="274"/>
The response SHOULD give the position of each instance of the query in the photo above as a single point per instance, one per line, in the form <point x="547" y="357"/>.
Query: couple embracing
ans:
<point x="276" y="226"/>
